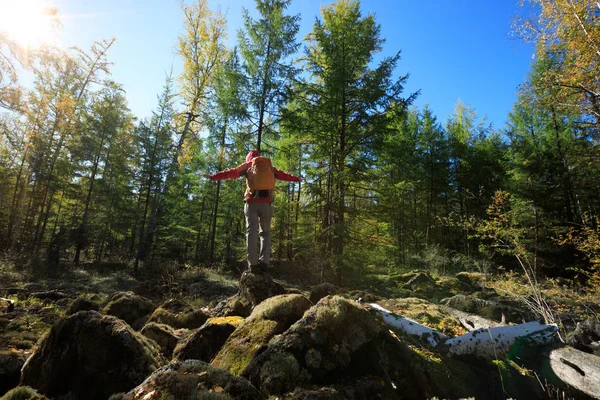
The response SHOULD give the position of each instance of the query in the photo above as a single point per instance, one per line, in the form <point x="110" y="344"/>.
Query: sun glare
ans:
<point x="29" y="23"/>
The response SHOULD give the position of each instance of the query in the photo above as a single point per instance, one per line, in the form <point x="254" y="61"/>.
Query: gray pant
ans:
<point x="258" y="215"/>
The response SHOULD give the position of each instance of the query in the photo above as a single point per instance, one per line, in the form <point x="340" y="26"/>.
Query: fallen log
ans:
<point x="571" y="367"/>
<point x="488" y="343"/>
<point x="494" y="343"/>
<point x="577" y="369"/>
<point x="409" y="326"/>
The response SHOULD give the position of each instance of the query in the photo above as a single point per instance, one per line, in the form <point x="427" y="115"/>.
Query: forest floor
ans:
<point x="41" y="299"/>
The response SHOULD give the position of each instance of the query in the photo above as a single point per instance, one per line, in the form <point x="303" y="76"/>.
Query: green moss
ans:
<point x="23" y="393"/>
<point x="286" y="308"/>
<point x="282" y="373"/>
<point x="243" y="344"/>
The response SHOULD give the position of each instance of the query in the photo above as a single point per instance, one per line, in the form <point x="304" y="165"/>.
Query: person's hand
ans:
<point x="302" y="179"/>
<point x="205" y="175"/>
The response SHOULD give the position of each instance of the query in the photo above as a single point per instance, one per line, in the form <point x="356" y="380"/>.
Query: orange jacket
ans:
<point x="239" y="171"/>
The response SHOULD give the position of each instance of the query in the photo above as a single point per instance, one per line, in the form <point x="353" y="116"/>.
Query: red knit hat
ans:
<point x="252" y="155"/>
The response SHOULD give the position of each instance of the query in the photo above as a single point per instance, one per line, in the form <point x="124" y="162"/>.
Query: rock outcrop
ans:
<point x="91" y="356"/>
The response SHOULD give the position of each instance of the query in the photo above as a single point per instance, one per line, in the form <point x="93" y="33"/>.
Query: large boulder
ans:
<point x="179" y="314"/>
<point x="272" y="317"/>
<point x="205" y="342"/>
<point x="163" y="335"/>
<point x="256" y="287"/>
<point x="192" y="380"/>
<point x="129" y="307"/>
<point x="11" y="363"/>
<point x="91" y="356"/>
<point x="316" y="347"/>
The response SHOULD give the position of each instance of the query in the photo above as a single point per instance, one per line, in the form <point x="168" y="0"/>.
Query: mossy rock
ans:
<point x="233" y="306"/>
<point x="23" y="393"/>
<point x="179" y="315"/>
<point x="256" y="287"/>
<point x="205" y="342"/>
<point x="270" y="318"/>
<point x="322" y="290"/>
<point x="82" y="303"/>
<point x="426" y="313"/>
<point x="163" y="335"/>
<point x="129" y="307"/>
<point x="91" y="356"/>
<point x="11" y="363"/>
<point x="193" y="380"/>
<point x="319" y="345"/>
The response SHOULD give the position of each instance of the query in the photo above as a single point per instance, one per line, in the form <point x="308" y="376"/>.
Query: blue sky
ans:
<point x="452" y="49"/>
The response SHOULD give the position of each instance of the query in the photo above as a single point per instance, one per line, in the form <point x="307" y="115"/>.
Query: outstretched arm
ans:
<point x="284" y="176"/>
<point x="231" y="173"/>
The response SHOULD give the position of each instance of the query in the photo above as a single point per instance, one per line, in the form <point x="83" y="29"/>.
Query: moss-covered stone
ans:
<point x="23" y="393"/>
<point x="321" y="343"/>
<point x="256" y="287"/>
<point x="285" y="309"/>
<point x="270" y="318"/>
<point x="92" y="356"/>
<point x="179" y="315"/>
<point x="322" y="290"/>
<point x="82" y="303"/>
<point x="193" y="380"/>
<point x="205" y="342"/>
<point x="163" y="335"/>
<point x="129" y="307"/>
<point x="11" y="362"/>
<point x="233" y="306"/>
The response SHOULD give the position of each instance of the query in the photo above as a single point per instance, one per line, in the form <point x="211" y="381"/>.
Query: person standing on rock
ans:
<point x="260" y="177"/>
